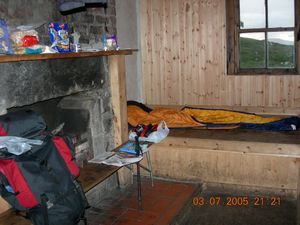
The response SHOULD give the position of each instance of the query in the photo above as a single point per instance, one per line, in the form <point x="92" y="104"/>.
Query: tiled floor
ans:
<point x="160" y="204"/>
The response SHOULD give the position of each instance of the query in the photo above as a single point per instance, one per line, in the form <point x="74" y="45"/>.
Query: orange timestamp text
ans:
<point x="237" y="201"/>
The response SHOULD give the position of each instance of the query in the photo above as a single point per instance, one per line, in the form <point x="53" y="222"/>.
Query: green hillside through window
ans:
<point x="252" y="54"/>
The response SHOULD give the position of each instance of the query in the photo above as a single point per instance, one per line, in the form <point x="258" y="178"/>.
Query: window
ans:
<point x="262" y="36"/>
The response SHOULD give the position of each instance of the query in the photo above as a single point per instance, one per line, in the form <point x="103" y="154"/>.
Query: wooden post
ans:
<point x="118" y="99"/>
<point x="119" y="106"/>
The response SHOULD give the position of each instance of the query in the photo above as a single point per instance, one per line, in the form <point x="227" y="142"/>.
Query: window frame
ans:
<point x="233" y="42"/>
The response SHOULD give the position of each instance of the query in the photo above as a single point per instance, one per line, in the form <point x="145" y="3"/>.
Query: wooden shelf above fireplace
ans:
<point x="34" y="57"/>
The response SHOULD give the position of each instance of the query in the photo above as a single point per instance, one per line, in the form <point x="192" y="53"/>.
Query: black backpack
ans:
<point x="41" y="182"/>
<point x="24" y="123"/>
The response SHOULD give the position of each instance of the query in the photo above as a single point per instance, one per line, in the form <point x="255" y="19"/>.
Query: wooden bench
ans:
<point x="90" y="176"/>
<point x="240" y="157"/>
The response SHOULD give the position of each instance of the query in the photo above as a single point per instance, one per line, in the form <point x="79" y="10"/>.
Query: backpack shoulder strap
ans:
<point x="8" y="194"/>
<point x="66" y="151"/>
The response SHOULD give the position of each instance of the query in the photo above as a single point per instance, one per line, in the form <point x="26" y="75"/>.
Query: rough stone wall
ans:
<point x="20" y="12"/>
<point x="24" y="83"/>
<point x="90" y="23"/>
<point x="33" y="77"/>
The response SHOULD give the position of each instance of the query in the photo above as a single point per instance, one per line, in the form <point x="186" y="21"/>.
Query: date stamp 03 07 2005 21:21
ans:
<point x="236" y="201"/>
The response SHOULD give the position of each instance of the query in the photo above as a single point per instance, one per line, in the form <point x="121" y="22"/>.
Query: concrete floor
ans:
<point x="160" y="204"/>
<point x="258" y="208"/>
<point x="180" y="204"/>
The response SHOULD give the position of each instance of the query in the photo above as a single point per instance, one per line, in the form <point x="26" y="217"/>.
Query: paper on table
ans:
<point x="100" y="158"/>
<point x="113" y="159"/>
<point x="120" y="160"/>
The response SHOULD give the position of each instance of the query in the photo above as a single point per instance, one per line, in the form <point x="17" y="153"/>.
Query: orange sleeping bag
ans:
<point x="173" y="117"/>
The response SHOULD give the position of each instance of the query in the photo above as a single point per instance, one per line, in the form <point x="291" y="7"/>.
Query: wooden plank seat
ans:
<point x="239" y="156"/>
<point x="90" y="176"/>
<point x="238" y="140"/>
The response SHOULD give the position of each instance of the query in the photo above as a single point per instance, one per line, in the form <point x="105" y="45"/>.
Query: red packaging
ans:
<point x="29" y="40"/>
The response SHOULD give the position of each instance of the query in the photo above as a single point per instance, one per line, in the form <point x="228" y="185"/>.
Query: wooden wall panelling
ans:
<point x="145" y="45"/>
<point x="184" y="60"/>
<point x="176" y="95"/>
<point x="186" y="39"/>
<point x="298" y="195"/>
<point x="195" y="33"/>
<point x="158" y="39"/>
<point x="296" y="87"/>
<point x="182" y="53"/>
<point x="167" y="52"/>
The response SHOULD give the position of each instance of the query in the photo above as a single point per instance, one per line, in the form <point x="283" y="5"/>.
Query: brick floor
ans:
<point x="160" y="204"/>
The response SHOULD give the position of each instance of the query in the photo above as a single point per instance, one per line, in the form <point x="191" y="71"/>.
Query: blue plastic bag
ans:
<point x="4" y="38"/>
<point x="59" y="37"/>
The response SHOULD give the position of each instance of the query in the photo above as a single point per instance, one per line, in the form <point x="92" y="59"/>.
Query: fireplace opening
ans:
<point x="83" y="119"/>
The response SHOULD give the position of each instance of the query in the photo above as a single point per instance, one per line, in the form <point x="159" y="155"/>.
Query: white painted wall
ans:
<point x="128" y="37"/>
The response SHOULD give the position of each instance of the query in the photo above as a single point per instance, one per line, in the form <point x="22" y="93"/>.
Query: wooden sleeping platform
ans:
<point x="240" y="140"/>
<point x="239" y="156"/>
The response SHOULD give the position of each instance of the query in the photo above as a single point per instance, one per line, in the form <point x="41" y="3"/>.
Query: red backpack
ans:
<point x="41" y="182"/>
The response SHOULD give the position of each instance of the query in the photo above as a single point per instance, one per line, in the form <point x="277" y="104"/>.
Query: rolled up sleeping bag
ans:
<point x="24" y="123"/>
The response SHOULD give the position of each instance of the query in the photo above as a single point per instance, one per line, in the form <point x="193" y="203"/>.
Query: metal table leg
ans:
<point x="150" y="167"/>
<point x="139" y="184"/>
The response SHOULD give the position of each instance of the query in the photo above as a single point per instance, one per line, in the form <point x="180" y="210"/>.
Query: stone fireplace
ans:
<point x="70" y="91"/>
<point x="78" y="98"/>
<point x="64" y="86"/>
<point x="73" y="91"/>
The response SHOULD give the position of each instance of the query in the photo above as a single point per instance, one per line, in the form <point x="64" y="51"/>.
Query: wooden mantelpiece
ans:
<point x="34" y="57"/>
